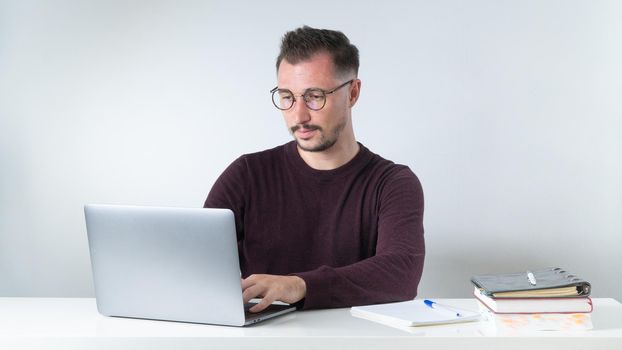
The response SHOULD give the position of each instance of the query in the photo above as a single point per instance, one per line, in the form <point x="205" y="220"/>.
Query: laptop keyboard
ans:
<point x="249" y="315"/>
<point x="269" y="310"/>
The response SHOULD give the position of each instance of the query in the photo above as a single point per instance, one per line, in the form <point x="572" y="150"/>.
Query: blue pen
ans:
<point x="436" y="305"/>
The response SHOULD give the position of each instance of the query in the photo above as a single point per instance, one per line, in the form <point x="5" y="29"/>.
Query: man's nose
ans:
<point x="301" y="112"/>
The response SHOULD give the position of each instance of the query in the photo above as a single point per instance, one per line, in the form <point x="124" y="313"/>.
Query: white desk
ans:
<point x="73" y="323"/>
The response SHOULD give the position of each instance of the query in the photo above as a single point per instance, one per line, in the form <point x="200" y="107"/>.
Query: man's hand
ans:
<point x="288" y="289"/>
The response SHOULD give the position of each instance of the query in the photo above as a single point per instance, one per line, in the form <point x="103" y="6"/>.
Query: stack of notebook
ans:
<point x="542" y="291"/>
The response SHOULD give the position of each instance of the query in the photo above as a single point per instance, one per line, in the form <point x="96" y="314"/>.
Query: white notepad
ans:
<point x="412" y="313"/>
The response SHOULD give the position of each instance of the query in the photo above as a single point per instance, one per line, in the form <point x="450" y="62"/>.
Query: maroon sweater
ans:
<point x="353" y="234"/>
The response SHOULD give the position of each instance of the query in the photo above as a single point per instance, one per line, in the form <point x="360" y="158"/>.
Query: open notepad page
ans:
<point x="413" y="313"/>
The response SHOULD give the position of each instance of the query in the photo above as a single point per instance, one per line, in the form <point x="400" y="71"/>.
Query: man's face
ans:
<point x="315" y="131"/>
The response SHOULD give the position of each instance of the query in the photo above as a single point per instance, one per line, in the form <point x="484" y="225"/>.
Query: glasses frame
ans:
<point x="305" y="95"/>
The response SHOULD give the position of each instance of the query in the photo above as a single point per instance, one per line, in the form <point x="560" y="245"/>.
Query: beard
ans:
<point x="327" y="140"/>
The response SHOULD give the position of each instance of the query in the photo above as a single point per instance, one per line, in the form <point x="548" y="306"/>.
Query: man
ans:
<point x="322" y="221"/>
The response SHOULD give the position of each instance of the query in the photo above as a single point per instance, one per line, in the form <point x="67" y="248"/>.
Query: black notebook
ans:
<point x="552" y="282"/>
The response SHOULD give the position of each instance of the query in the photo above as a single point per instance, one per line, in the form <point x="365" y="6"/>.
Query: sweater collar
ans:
<point x="359" y="161"/>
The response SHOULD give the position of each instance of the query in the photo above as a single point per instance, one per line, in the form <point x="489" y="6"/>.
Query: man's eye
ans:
<point x="315" y="97"/>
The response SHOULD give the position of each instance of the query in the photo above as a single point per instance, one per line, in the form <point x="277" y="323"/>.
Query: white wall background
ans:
<point x="510" y="112"/>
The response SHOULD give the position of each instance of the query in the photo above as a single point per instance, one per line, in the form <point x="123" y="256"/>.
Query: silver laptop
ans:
<point x="174" y="264"/>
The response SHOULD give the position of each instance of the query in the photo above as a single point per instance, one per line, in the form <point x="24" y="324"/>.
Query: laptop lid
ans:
<point x="176" y="264"/>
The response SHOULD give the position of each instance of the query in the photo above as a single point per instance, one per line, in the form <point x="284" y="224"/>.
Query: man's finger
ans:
<point x="251" y="292"/>
<point x="249" y="281"/>
<point x="264" y="303"/>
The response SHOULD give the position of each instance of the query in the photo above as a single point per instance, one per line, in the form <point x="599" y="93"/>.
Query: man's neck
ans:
<point x="332" y="158"/>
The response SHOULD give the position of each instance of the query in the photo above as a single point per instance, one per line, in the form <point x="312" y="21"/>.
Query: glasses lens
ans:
<point x="315" y="99"/>
<point x="282" y="99"/>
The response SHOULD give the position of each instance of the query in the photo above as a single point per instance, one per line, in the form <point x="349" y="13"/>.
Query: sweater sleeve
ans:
<point x="228" y="193"/>
<point x="393" y="273"/>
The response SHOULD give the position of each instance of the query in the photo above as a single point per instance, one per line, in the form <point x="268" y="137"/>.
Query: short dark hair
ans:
<point x="302" y="43"/>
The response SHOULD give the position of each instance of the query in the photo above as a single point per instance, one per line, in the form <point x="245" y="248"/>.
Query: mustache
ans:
<point x="309" y="127"/>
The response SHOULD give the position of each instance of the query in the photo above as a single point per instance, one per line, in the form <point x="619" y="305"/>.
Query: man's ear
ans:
<point x="355" y="92"/>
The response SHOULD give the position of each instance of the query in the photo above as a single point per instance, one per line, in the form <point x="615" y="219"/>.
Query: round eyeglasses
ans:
<point x="315" y="99"/>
